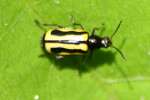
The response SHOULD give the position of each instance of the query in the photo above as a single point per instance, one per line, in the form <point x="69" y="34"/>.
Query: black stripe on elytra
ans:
<point x="59" y="50"/>
<point x="61" y="33"/>
<point x="64" y="41"/>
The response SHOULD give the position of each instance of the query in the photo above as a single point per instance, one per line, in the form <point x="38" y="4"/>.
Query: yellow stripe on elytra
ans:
<point x="81" y="46"/>
<point x="81" y="37"/>
<point x="66" y="53"/>
<point x="71" y="29"/>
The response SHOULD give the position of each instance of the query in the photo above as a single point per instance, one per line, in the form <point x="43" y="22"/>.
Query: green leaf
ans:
<point x="26" y="76"/>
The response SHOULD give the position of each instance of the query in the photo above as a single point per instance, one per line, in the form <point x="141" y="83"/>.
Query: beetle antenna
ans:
<point x="122" y="55"/>
<point x="39" y="24"/>
<point x="116" y="29"/>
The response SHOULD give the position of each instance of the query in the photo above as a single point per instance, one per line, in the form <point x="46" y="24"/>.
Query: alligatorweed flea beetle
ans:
<point x="63" y="41"/>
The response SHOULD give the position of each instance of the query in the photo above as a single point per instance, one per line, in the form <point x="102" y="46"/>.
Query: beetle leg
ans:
<point x="102" y="29"/>
<point x="58" y="57"/>
<point x="42" y="55"/>
<point x="88" y="57"/>
<point x="53" y="25"/>
<point x="77" y="24"/>
<point x="74" y="23"/>
<point x="40" y="25"/>
<point x="94" y="30"/>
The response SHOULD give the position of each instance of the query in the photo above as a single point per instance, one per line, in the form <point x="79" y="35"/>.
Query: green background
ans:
<point x="26" y="76"/>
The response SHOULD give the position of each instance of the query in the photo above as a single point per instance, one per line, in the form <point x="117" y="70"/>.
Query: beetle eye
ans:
<point x="106" y="42"/>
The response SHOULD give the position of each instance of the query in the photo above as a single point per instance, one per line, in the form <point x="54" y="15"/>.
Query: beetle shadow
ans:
<point x="82" y="65"/>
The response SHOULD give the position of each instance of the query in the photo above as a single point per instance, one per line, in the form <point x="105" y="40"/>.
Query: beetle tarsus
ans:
<point x="59" y="57"/>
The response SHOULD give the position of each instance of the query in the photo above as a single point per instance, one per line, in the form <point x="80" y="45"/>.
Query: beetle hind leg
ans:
<point x="41" y="25"/>
<point x="53" y="25"/>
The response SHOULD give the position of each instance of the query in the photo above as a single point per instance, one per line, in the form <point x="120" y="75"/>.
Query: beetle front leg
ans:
<point x="102" y="29"/>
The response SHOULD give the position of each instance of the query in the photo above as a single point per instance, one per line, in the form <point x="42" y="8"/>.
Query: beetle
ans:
<point x="63" y="41"/>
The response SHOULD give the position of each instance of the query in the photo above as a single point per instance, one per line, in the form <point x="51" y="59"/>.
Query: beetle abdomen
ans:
<point x="66" y="42"/>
